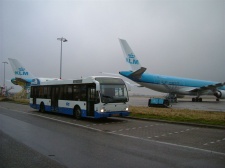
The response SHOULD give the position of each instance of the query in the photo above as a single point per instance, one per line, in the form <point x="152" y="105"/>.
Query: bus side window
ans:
<point x="45" y="92"/>
<point x="65" y="92"/>
<point x="41" y="95"/>
<point x="61" y="93"/>
<point x="76" y="92"/>
<point x="49" y="92"/>
<point x="36" y="91"/>
<point x="83" y="94"/>
<point x="69" y="93"/>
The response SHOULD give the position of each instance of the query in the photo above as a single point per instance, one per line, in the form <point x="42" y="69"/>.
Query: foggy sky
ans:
<point x="184" y="38"/>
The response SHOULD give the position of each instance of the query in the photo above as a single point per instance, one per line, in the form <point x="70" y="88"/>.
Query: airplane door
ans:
<point x="54" y="98"/>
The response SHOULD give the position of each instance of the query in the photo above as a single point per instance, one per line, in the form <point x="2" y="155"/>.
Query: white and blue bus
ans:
<point x="91" y="97"/>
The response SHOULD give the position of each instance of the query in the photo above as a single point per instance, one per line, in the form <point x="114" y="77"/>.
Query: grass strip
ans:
<point x="20" y="101"/>
<point x="179" y="115"/>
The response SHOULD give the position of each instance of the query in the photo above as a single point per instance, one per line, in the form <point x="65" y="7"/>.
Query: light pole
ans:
<point x="4" y="89"/>
<point x="62" y="40"/>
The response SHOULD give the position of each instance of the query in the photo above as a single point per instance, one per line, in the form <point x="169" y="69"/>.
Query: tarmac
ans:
<point x="208" y="103"/>
<point x="15" y="154"/>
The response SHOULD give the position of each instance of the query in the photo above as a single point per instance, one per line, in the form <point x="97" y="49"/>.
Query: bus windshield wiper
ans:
<point x="106" y="101"/>
<point x="106" y="96"/>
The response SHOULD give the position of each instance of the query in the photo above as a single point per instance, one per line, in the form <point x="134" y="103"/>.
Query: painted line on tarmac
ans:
<point x="171" y="144"/>
<point x="213" y="142"/>
<point x="129" y="136"/>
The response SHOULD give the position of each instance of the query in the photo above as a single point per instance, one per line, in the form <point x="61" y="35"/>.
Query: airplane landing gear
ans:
<point x="172" y="98"/>
<point x="197" y="99"/>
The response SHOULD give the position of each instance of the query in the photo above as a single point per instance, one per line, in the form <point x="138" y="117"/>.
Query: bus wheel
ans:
<point x="42" y="107"/>
<point x="77" y="113"/>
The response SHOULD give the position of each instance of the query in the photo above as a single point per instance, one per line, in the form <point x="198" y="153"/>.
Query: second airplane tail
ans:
<point x="131" y="59"/>
<point x="19" y="70"/>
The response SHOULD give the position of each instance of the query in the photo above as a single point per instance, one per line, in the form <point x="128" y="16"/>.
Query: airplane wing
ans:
<point x="137" y="74"/>
<point x="23" y="80"/>
<point x="208" y="87"/>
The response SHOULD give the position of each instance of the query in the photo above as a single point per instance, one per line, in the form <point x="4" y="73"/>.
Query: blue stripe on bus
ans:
<point x="69" y="111"/>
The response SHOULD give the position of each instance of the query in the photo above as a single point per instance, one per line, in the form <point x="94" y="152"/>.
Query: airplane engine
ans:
<point x="220" y="94"/>
<point x="14" y="81"/>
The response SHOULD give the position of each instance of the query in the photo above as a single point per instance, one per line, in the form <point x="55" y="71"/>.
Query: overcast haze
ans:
<point x="184" y="38"/>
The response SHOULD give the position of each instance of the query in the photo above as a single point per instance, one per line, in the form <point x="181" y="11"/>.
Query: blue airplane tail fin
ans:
<point x="131" y="59"/>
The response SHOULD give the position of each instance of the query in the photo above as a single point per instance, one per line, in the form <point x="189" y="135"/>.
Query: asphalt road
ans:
<point x="14" y="154"/>
<point x="58" y="140"/>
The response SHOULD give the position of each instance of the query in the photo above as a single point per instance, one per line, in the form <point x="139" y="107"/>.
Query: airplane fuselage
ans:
<point x="176" y="85"/>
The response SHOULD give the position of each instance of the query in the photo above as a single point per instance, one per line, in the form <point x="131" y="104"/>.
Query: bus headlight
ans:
<point x="102" y="110"/>
<point x="126" y="108"/>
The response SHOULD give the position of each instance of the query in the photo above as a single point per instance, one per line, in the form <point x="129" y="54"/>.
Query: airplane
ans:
<point x="174" y="86"/>
<point x="23" y="77"/>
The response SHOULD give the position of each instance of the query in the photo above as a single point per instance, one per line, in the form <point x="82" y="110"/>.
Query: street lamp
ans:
<point x="4" y="74"/>
<point x="62" y="40"/>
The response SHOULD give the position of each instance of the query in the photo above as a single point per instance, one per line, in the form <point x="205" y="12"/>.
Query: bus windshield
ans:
<point x="112" y="90"/>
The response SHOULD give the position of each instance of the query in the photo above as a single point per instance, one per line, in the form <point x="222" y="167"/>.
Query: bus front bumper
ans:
<point x="111" y="114"/>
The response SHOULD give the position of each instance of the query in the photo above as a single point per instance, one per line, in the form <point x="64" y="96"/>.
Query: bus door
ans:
<point x="34" y="94"/>
<point x="54" y="98"/>
<point x="91" y="98"/>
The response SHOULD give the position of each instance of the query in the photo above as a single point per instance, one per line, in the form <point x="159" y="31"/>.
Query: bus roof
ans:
<point x="90" y="79"/>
